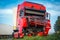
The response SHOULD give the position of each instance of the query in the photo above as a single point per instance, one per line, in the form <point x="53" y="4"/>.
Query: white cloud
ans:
<point x="7" y="10"/>
<point x="53" y="12"/>
<point x="11" y="12"/>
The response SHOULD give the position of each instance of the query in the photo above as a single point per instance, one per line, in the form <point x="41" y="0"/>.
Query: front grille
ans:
<point x="36" y="20"/>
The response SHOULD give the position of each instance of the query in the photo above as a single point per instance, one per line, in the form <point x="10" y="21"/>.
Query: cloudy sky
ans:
<point x="7" y="6"/>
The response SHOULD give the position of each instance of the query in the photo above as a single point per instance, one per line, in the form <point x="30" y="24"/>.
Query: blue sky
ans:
<point x="6" y="10"/>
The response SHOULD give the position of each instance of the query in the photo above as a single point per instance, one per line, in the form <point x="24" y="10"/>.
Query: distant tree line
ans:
<point x="57" y="25"/>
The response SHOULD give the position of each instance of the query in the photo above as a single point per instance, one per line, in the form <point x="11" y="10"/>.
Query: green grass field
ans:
<point x="49" y="37"/>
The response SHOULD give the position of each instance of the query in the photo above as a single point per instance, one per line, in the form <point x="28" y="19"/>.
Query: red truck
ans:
<point x="32" y="19"/>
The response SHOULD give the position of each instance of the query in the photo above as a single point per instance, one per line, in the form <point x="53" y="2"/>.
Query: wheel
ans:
<point x="40" y="33"/>
<point x="15" y="35"/>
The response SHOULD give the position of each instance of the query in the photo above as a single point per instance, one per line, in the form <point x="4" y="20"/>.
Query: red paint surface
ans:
<point x="22" y="22"/>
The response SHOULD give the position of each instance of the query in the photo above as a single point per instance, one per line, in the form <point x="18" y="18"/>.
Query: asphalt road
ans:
<point x="7" y="39"/>
<point x="10" y="39"/>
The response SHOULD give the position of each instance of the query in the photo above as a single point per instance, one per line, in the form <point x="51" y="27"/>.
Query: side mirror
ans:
<point x="21" y="13"/>
<point x="48" y="15"/>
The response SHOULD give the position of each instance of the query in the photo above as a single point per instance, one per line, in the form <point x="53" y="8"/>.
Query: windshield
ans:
<point x="34" y="12"/>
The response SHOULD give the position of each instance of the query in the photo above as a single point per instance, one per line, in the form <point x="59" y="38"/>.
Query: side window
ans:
<point x="21" y="13"/>
<point x="47" y="16"/>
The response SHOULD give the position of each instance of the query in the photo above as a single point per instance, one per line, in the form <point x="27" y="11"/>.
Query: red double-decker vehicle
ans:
<point x="32" y="20"/>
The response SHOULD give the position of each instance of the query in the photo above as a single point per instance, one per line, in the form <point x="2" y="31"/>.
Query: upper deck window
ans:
<point x="34" y="12"/>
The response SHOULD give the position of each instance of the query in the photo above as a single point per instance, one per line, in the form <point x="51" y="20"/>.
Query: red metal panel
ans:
<point x="40" y="34"/>
<point x="48" y="26"/>
<point x="35" y="6"/>
<point x="24" y="22"/>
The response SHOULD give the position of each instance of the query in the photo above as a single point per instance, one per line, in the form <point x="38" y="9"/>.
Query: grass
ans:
<point x="49" y="37"/>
